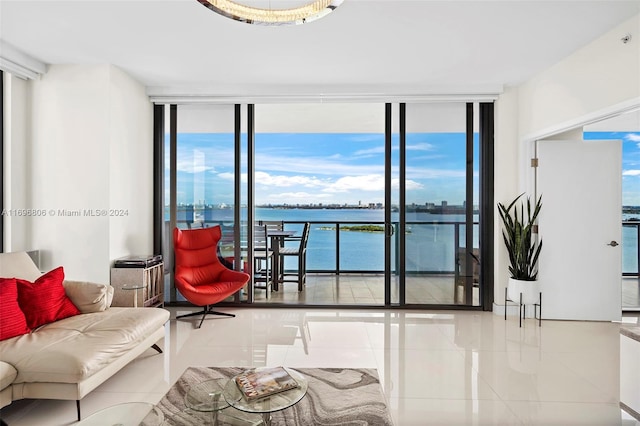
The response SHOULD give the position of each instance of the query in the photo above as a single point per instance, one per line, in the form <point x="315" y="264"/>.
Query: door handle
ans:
<point x="613" y="243"/>
<point x="390" y="230"/>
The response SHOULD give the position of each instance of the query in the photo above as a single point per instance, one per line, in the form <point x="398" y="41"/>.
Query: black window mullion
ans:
<point x="2" y="160"/>
<point x="158" y="179"/>
<point x="250" y="189"/>
<point x="402" y="211"/>
<point x="486" y="205"/>
<point x="468" y="273"/>
<point x="173" y="182"/>
<point x="387" y="205"/>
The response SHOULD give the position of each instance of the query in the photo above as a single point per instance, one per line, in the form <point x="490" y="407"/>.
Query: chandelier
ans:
<point x="310" y="11"/>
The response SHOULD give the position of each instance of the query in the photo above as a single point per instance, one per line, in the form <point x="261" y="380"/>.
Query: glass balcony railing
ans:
<point x="431" y="247"/>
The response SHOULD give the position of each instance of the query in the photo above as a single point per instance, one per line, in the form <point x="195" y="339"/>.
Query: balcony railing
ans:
<point x="431" y="247"/>
<point x="631" y="248"/>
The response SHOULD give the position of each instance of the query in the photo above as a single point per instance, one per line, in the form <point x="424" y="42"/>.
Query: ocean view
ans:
<point x="430" y="237"/>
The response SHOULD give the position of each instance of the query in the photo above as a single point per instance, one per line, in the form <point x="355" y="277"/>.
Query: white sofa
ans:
<point x="69" y="358"/>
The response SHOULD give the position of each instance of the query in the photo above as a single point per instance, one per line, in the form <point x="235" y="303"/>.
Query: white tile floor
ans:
<point x="436" y="368"/>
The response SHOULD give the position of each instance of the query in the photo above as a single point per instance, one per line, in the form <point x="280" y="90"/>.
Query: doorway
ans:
<point x="621" y="122"/>
<point x="626" y="127"/>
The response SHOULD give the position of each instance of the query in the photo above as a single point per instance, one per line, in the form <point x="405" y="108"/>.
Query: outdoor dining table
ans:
<point x="277" y="238"/>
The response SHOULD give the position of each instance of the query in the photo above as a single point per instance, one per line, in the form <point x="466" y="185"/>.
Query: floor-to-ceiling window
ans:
<point x="325" y="164"/>
<point x="442" y="252"/>
<point x="391" y="192"/>
<point x="200" y="179"/>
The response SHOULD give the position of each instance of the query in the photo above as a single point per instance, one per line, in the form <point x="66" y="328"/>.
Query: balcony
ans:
<point x="345" y="264"/>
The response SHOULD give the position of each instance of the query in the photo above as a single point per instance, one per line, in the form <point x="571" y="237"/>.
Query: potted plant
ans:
<point x="519" y="224"/>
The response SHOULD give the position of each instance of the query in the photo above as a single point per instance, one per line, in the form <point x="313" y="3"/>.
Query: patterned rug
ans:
<point x="336" y="396"/>
<point x="632" y="331"/>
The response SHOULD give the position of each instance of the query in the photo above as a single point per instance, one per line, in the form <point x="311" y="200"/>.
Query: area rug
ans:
<point x="336" y="396"/>
<point x="632" y="331"/>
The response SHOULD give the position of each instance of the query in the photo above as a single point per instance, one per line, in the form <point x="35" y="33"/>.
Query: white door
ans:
<point x="580" y="225"/>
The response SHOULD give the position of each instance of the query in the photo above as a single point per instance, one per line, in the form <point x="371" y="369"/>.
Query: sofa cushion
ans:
<point x="12" y="320"/>
<point x="72" y="349"/>
<point x="44" y="300"/>
<point x="89" y="297"/>
<point x="8" y="374"/>
<point x="18" y="265"/>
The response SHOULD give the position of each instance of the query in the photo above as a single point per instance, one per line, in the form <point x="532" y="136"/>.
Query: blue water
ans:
<point x="430" y="247"/>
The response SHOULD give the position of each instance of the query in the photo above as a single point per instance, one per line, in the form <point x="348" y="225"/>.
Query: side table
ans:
<point x="134" y="288"/>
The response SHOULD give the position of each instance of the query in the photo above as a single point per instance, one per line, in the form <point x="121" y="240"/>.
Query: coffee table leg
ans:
<point x="266" y="419"/>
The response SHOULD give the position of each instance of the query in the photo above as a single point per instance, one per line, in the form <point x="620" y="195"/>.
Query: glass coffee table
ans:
<point x="269" y="404"/>
<point x="207" y="396"/>
<point x="205" y="402"/>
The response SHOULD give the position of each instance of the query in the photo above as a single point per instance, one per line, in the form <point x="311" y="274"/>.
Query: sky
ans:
<point x="327" y="168"/>
<point x="348" y="168"/>
<point x="630" y="163"/>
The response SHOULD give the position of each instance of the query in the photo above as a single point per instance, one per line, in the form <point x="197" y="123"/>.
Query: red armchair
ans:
<point x="199" y="275"/>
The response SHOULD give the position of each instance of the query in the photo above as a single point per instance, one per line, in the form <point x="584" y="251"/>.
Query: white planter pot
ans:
<point x="530" y="291"/>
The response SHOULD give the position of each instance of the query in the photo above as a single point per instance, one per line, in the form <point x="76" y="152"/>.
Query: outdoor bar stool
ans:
<point x="299" y="251"/>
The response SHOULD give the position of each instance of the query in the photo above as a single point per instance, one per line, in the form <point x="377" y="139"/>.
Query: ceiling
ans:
<point x="364" y="46"/>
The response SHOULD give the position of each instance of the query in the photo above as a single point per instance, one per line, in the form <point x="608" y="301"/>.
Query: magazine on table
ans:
<point x="261" y="383"/>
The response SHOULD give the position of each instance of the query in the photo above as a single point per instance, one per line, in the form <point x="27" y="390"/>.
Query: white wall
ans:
<point x="506" y="168"/>
<point x="130" y="167"/>
<point x="16" y="155"/>
<point x="91" y="135"/>
<point x="604" y="73"/>
<point x="598" y="76"/>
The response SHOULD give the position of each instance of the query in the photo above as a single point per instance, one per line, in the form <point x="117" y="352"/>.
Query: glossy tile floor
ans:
<point x="436" y="368"/>
<point x="366" y="289"/>
<point x="630" y="293"/>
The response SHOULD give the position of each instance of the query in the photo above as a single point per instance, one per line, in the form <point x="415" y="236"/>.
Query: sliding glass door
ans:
<point x="200" y="178"/>
<point x="391" y="193"/>
<point x="440" y="243"/>
<point x="325" y="164"/>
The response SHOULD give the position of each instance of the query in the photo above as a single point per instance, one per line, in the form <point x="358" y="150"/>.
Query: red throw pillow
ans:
<point x="12" y="320"/>
<point x="44" y="300"/>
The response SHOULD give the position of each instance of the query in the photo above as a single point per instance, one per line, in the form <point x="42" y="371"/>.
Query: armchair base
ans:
<point x="204" y="313"/>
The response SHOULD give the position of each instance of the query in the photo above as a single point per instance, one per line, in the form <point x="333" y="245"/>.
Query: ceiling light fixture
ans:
<point x="310" y="11"/>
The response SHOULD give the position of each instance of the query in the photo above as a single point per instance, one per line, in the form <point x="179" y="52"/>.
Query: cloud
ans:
<point x="410" y="184"/>
<point x="226" y="176"/>
<point x="314" y="165"/>
<point x="296" y="196"/>
<point x="631" y="173"/>
<point x="421" y="147"/>
<point x="633" y="137"/>
<point x="263" y="178"/>
<point x="357" y="183"/>
<point x="189" y="167"/>
<point x="370" y="151"/>
<point x="426" y="173"/>
<point x="368" y="183"/>
<point x="380" y="149"/>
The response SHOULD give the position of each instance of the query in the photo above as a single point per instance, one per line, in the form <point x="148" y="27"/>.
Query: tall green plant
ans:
<point x="517" y="232"/>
